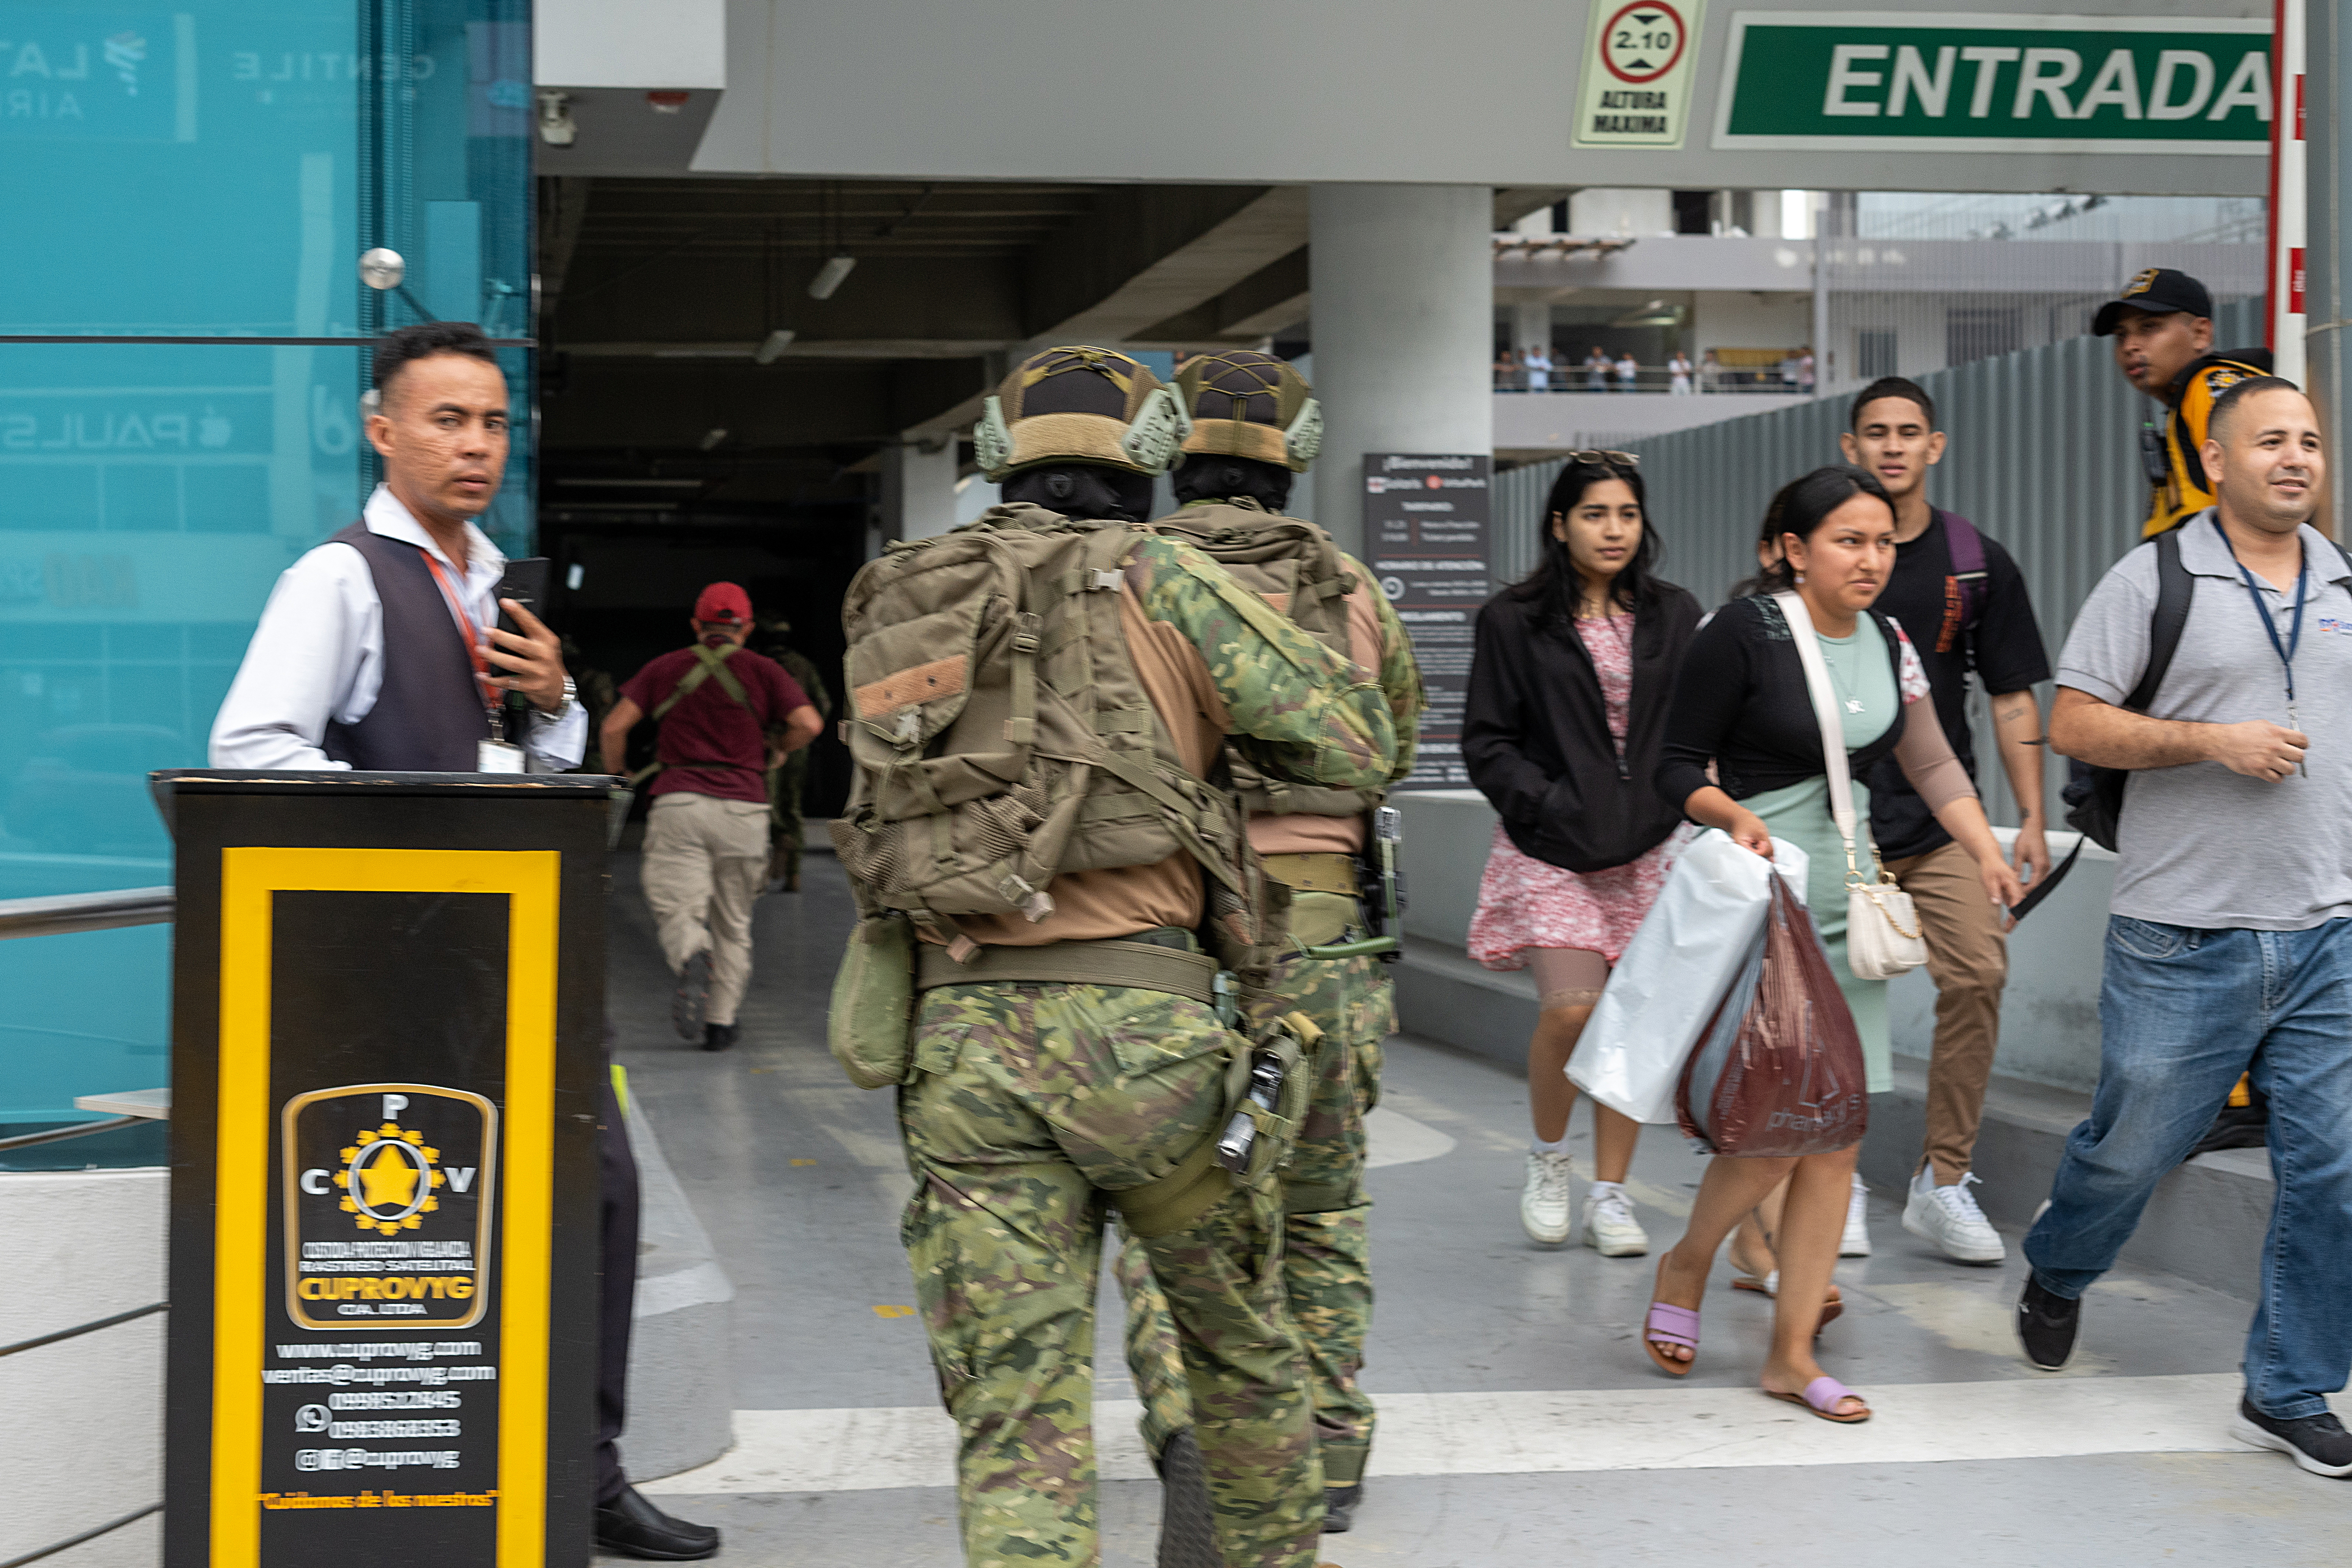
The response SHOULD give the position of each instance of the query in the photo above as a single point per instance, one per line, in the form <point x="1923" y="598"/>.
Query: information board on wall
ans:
<point x="1426" y="517"/>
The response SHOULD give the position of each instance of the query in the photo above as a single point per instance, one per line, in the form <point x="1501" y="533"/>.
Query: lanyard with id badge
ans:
<point x="497" y="754"/>
<point x="2286" y="649"/>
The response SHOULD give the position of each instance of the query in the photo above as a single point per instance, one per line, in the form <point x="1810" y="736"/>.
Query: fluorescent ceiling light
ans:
<point x="830" y="277"/>
<point x="772" y="346"/>
<point x="711" y="440"/>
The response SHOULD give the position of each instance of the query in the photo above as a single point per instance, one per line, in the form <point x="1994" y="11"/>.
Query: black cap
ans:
<point x="2159" y="292"/>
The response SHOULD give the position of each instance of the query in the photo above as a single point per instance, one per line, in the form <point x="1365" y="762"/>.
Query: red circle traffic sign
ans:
<point x="1657" y="20"/>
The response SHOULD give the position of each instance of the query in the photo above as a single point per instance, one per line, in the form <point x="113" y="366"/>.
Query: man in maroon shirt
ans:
<point x="726" y="715"/>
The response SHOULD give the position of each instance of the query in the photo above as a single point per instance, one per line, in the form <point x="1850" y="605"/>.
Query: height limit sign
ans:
<point x="1638" y="67"/>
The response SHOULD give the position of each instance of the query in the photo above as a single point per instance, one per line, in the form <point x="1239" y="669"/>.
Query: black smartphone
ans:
<point x="526" y="583"/>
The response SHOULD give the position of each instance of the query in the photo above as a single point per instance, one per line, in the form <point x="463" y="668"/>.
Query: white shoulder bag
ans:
<point x="1882" y="930"/>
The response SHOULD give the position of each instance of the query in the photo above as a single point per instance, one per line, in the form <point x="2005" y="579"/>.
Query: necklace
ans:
<point x="1831" y="649"/>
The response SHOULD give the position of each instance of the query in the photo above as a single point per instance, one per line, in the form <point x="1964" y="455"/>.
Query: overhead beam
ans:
<point x="1266" y="301"/>
<point x="1149" y="252"/>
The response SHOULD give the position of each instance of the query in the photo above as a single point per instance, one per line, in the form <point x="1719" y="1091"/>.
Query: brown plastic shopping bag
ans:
<point x="1788" y="1078"/>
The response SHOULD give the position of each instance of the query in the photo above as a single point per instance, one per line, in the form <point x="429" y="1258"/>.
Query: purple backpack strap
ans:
<point x="1967" y="548"/>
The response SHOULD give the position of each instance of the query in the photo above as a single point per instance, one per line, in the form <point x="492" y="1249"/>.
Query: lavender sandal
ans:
<point x="1821" y="1396"/>
<point x="1670" y="1325"/>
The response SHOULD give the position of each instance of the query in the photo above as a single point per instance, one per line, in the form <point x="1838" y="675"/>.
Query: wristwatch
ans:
<point x="571" y="698"/>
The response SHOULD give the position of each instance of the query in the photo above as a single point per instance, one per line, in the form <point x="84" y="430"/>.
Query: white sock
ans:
<point x="1539" y="1146"/>
<point x="1598" y="1188"/>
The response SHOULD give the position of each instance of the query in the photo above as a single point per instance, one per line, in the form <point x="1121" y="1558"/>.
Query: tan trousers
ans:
<point x="1968" y="958"/>
<point x="704" y="859"/>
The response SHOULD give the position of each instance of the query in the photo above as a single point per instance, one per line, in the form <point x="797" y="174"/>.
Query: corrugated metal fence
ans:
<point x="2044" y="457"/>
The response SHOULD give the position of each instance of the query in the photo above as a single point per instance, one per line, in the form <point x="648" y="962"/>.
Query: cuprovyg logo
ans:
<point x="388" y="1194"/>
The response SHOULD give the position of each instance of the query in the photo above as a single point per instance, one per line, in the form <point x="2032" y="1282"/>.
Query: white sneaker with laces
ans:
<point x="1543" y="1202"/>
<point x="1857" y="1241"/>
<point x="1610" y="1228"/>
<point x="1950" y="1217"/>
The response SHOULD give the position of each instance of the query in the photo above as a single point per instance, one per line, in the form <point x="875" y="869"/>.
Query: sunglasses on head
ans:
<point x="1607" y="458"/>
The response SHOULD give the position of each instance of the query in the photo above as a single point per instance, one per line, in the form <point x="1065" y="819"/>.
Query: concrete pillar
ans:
<point x="2328" y="259"/>
<point x="1531" y="325"/>
<point x="1403" y="282"/>
<point x="918" y="497"/>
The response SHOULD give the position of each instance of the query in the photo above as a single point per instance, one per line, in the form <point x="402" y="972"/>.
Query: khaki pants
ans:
<point x="704" y="859"/>
<point x="1968" y="958"/>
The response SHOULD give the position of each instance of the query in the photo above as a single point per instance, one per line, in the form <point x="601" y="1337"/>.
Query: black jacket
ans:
<point x="1535" y="733"/>
<point x="1742" y="704"/>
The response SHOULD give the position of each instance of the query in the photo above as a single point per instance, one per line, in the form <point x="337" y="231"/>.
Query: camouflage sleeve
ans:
<point x="1322" y="720"/>
<point x="1400" y="671"/>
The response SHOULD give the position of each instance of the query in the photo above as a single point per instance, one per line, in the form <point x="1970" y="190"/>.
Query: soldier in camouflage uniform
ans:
<point x="789" y="779"/>
<point x="1030" y="1106"/>
<point x="1250" y="411"/>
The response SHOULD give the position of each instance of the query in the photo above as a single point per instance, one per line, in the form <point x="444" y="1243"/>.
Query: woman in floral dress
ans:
<point x="1562" y="733"/>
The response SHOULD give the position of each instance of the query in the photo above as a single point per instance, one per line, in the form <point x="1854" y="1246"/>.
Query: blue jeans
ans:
<point x="2182" y="1011"/>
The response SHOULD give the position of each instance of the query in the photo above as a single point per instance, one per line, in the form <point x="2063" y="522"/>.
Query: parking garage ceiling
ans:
<point x="656" y="295"/>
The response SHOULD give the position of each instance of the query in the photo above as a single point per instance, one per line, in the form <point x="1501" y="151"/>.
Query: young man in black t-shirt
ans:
<point x="1963" y="602"/>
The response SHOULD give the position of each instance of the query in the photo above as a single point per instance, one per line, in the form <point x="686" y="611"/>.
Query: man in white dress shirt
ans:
<point x="375" y="652"/>
<point x="315" y="674"/>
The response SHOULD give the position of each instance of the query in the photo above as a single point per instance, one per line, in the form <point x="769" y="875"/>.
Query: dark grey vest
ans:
<point x="429" y="716"/>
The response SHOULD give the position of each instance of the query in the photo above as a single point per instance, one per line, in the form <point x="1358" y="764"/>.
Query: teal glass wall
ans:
<point x="208" y="173"/>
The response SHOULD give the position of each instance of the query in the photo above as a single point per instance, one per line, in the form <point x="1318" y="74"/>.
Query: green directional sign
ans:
<point x="1858" y="81"/>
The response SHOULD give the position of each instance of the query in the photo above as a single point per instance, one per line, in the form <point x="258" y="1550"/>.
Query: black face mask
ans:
<point x="1083" y="490"/>
<point x="1204" y="476"/>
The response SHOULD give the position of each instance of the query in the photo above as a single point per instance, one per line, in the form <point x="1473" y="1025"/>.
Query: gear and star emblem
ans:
<point x="389" y="1178"/>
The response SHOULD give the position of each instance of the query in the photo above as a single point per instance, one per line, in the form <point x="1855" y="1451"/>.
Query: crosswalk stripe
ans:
<point x="1554" y="1432"/>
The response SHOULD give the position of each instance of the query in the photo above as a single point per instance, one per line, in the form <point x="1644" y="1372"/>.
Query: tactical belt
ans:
<point x="1324" y="873"/>
<point x="1141" y="962"/>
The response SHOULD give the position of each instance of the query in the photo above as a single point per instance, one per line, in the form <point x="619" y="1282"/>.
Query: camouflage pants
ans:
<point x="786" y="783"/>
<point x="1028" y="1102"/>
<point x="1326" y="1256"/>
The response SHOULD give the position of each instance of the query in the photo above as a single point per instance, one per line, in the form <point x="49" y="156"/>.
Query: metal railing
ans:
<point x="61" y="915"/>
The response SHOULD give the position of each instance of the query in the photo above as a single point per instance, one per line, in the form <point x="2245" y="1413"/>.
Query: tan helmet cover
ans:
<point x="1245" y="404"/>
<point x="1079" y="405"/>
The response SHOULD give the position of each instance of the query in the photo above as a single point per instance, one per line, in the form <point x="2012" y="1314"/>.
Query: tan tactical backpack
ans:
<point x="1295" y="568"/>
<point x="1001" y="735"/>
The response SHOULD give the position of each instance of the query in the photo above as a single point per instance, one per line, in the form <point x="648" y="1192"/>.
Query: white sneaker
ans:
<point x="1950" y="1217"/>
<point x="1610" y="1228"/>
<point x="1543" y="1202"/>
<point x="1856" y="1242"/>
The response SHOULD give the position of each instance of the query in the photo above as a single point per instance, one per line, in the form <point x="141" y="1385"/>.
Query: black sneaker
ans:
<point x="630" y="1526"/>
<point x="2047" y="1325"/>
<point x="719" y="1036"/>
<point x="1340" y="1508"/>
<point x="692" y="995"/>
<point x="1188" y="1535"/>
<point x="2319" y="1443"/>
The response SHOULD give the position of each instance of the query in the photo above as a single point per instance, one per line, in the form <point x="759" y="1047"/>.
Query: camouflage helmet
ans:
<point x="1079" y="405"/>
<point x="1245" y="404"/>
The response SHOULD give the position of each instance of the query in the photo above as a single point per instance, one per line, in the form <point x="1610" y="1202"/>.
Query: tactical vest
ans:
<point x="1295" y="567"/>
<point x="1001" y="735"/>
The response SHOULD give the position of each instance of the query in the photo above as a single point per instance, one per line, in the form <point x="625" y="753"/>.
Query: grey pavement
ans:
<point x="797" y="1175"/>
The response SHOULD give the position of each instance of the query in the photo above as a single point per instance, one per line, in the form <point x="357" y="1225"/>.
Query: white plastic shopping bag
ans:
<point x="1682" y="960"/>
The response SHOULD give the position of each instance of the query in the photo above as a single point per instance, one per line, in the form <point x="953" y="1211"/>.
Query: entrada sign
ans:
<point x="1863" y="81"/>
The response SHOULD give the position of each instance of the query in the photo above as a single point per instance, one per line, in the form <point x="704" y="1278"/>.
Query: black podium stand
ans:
<point x="386" y="1047"/>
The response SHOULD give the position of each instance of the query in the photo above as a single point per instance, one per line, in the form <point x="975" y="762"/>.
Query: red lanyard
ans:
<point x="473" y="637"/>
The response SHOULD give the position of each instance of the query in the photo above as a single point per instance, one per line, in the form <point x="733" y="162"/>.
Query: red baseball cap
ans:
<point x="723" y="603"/>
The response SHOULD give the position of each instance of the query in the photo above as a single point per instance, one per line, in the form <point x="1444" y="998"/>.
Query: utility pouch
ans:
<point x="872" y="1026"/>
<point x="1267" y="1088"/>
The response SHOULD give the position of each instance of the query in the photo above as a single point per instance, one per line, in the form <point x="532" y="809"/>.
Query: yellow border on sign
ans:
<point x="530" y="879"/>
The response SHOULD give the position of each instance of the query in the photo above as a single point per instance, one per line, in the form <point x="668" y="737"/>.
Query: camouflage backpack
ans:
<point x="1001" y="735"/>
<point x="1295" y="568"/>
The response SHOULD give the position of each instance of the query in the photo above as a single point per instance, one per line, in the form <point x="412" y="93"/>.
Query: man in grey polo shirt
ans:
<point x="2230" y="941"/>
